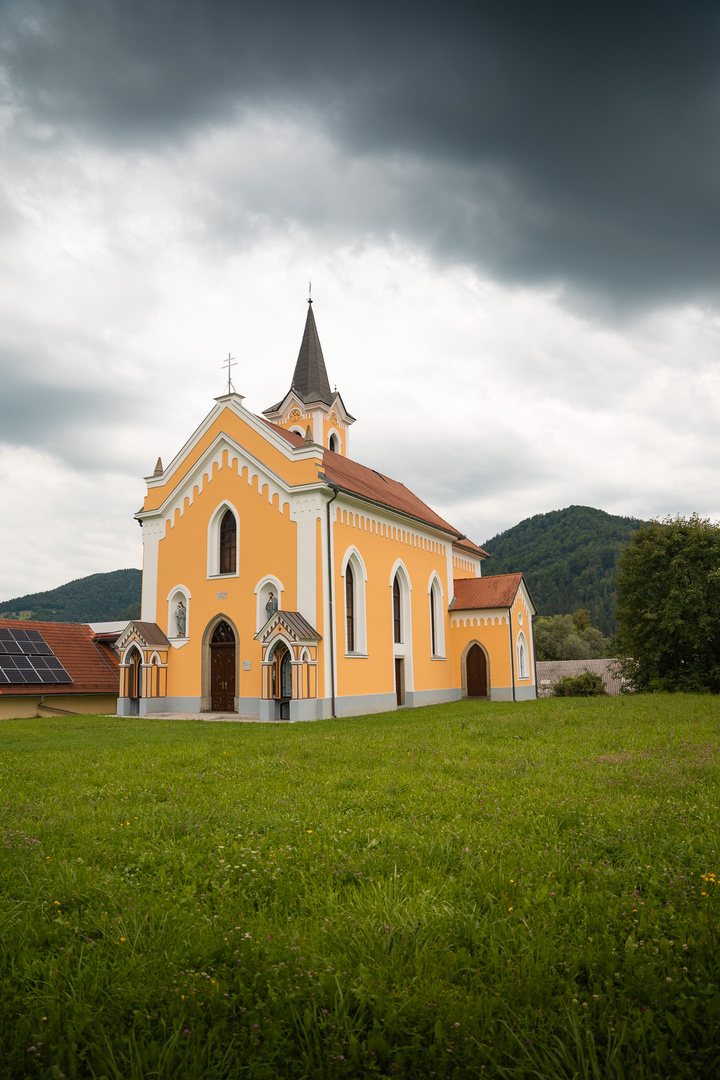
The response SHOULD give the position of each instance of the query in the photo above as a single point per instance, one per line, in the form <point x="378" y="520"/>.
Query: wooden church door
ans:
<point x="222" y="669"/>
<point x="476" y="667"/>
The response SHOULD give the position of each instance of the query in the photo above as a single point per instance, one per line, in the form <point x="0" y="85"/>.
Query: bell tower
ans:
<point x="310" y="402"/>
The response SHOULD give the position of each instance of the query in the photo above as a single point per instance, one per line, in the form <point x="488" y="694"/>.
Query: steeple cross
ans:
<point x="229" y="363"/>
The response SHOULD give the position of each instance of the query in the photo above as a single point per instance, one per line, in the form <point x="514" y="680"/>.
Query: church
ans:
<point x="285" y="581"/>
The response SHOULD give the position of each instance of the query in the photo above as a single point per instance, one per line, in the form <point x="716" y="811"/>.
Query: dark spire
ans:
<point x="310" y="379"/>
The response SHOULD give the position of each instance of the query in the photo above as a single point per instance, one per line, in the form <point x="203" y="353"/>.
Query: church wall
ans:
<point x="492" y="630"/>
<point x="255" y="442"/>
<point x="381" y="541"/>
<point x="266" y="546"/>
<point x="26" y="705"/>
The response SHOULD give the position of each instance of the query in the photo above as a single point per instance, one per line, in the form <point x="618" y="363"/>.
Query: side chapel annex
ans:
<point x="284" y="580"/>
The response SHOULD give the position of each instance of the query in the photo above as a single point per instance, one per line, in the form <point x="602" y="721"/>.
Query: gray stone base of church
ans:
<point x="298" y="710"/>
<point x="505" y="693"/>
<point x="414" y="699"/>
<point x="151" y="705"/>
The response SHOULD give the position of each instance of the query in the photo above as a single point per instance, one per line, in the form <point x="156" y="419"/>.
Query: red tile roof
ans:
<point x="92" y="666"/>
<point x="291" y="436"/>
<point x="358" y="479"/>
<point x="485" y="592"/>
<point x="369" y="484"/>
<point x="471" y="546"/>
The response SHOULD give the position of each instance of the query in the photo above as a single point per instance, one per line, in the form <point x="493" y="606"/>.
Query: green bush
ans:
<point x="586" y="685"/>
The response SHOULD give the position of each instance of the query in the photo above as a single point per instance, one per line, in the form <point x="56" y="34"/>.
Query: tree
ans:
<point x="668" y="608"/>
<point x="569" y="637"/>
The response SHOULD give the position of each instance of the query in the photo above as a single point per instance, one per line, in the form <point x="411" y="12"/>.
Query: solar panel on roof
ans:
<point x="26" y="658"/>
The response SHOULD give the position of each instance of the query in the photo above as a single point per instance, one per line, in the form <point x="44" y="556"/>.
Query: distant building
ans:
<point x="284" y="580"/>
<point x="549" y="672"/>
<point x="51" y="668"/>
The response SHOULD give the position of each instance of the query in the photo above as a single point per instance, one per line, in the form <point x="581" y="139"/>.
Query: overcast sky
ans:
<point x="510" y="213"/>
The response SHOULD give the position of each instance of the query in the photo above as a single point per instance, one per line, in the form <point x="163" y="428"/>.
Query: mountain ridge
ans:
<point x="568" y="558"/>
<point x="95" y="598"/>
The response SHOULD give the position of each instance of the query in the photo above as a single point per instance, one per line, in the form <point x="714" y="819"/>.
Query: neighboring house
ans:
<point x="51" y="668"/>
<point x="284" y="580"/>
<point x="551" y="671"/>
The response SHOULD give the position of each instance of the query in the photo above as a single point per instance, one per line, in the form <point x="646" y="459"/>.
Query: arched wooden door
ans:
<point x="476" y="670"/>
<point x="222" y="669"/>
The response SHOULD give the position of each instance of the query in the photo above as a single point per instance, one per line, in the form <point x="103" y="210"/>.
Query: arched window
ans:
<point x="228" y="543"/>
<point x="397" y="609"/>
<point x="333" y="444"/>
<point x="437" y="624"/>
<point x="349" y="609"/>
<point x="355" y="575"/>
<point x="522" y="657"/>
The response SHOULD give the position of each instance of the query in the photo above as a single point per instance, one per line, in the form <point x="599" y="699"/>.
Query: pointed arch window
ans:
<point x="523" y="667"/>
<point x="228" y="543"/>
<point x="397" y="610"/>
<point x="437" y="625"/>
<point x="349" y="608"/>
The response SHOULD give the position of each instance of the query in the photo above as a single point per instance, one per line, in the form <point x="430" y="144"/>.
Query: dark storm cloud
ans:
<point x="554" y="142"/>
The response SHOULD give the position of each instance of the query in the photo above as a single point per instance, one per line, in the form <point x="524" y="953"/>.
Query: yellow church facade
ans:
<point x="284" y="580"/>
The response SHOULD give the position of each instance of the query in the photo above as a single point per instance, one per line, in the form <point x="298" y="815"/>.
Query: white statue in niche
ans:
<point x="180" y="619"/>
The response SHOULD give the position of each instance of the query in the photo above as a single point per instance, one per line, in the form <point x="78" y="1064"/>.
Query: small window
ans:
<point x="397" y="621"/>
<point x="433" y="624"/>
<point x="228" y="543"/>
<point x="333" y="444"/>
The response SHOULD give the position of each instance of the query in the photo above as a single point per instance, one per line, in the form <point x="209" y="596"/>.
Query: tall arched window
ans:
<point x="333" y="443"/>
<point x="437" y="626"/>
<point x="350" y="608"/>
<point x="228" y="543"/>
<point x="522" y="657"/>
<point x="397" y="618"/>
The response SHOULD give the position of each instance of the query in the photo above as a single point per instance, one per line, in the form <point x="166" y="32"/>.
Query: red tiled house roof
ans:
<point x="485" y="592"/>
<point x="93" y="666"/>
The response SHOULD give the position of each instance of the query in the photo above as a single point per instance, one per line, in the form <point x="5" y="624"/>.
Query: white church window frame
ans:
<point x="213" y="541"/>
<point x="399" y="572"/>
<point x="334" y="433"/>
<point x="176" y="593"/>
<point x="523" y="656"/>
<point x="262" y="590"/>
<point x="359" y="575"/>
<point x="436" y="597"/>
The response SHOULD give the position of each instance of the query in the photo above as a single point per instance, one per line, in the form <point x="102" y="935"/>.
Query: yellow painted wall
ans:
<point x="266" y="545"/>
<point x="496" y="639"/>
<point x="292" y="471"/>
<point x="24" y="705"/>
<point x="380" y="553"/>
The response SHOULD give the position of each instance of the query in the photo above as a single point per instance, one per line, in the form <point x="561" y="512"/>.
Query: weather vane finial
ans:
<point x="310" y="291"/>
<point x="229" y="363"/>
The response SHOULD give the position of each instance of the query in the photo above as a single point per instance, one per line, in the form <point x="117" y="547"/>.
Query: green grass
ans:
<point x="519" y="891"/>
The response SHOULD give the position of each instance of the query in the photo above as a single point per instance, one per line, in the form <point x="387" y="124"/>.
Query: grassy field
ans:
<point x="521" y="891"/>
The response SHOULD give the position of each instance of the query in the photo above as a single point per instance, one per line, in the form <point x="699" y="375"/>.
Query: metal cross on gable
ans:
<point x="231" y="362"/>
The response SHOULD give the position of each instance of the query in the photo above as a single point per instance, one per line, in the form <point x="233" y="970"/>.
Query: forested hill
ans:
<point x="97" y="598"/>
<point x="568" y="558"/>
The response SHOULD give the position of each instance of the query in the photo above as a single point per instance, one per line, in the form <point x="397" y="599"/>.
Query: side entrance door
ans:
<point x="222" y="669"/>
<point x="476" y="666"/>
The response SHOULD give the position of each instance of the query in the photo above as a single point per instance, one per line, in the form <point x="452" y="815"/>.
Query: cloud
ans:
<point x="541" y="143"/>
